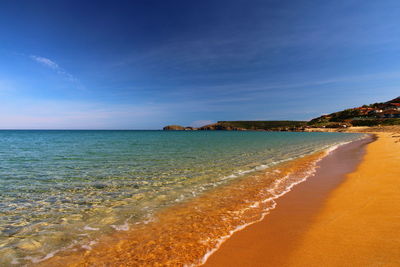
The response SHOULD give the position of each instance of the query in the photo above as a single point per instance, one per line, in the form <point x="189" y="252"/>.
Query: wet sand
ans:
<point x="292" y="234"/>
<point x="184" y="233"/>
<point x="332" y="219"/>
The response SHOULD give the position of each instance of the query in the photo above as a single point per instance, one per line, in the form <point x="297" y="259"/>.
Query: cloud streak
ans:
<point x="45" y="61"/>
<point x="53" y="65"/>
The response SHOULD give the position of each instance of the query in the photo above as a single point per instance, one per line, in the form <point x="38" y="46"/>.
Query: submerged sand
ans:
<point x="355" y="224"/>
<point x="332" y="219"/>
<point x="187" y="232"/>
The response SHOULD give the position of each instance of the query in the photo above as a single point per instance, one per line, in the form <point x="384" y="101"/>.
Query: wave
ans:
<point x="197" y="228"/>
<point x="275" y="195"/>
<point x="277" y="182"/>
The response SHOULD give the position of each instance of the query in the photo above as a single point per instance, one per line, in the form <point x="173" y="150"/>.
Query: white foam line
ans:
<point x="87" y="227"/>
<point x="122" y="227"/>
<point x="89" y="246"/>
<point x="262" y="167"/>
<point x="222" y="239"/>
<point x="49" y="255"/>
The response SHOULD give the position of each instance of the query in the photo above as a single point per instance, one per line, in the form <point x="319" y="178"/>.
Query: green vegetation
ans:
<point x="263" y="125"/>
<point x="385" y="113"/>
<point x="376" y="122"/>
<point x="345" y="114"/>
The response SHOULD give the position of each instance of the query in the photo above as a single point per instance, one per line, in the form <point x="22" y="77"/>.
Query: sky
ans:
<point x="147" y="64"/>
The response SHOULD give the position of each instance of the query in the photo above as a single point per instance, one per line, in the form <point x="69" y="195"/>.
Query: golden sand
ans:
<point x="356" y="224"/>
<point x="183" y="234"/>
<point x="360" y="223"/>
<point x="322" y="222"/>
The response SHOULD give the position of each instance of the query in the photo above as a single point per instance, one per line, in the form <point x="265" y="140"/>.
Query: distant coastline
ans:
<point x="373" y="115"/>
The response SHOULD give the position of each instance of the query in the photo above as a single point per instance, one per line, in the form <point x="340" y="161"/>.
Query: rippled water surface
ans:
<point x="60" y="189"/>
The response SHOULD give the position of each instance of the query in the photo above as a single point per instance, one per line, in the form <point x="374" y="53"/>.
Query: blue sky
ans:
<point x="146" y="64"/>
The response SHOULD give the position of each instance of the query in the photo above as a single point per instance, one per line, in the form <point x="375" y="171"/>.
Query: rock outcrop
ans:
<point x="189" y="128"/>
<point x="243" y="126"/>
<point x="221" y="127"/>
<point x="174" y="128"/>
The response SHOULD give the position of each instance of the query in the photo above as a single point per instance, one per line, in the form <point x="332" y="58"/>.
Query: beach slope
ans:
<point x="357" y="223"/>
<point x="360" y="223"/>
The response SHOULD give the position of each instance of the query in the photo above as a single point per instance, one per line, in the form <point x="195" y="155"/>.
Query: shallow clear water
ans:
<point x="60" y="188"/>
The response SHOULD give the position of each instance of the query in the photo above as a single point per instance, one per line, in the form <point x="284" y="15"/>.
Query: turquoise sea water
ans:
<point x="62" y="188"/>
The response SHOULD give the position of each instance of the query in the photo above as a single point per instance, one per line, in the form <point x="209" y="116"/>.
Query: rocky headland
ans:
<point x="373" y="115"/>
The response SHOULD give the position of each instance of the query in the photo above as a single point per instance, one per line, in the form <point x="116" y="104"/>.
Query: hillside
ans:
<point x="385" y="113"/>
<point x="263" y="125"/>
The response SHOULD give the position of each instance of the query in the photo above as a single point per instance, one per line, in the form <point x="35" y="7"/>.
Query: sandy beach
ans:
<point x="346" y="220"/>
<point x="345" y="214"/>
<point x="188" y="232"/>
<point x="199" y="133"/>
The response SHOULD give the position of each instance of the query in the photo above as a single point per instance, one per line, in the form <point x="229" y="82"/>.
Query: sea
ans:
<point x="172" y="197"/>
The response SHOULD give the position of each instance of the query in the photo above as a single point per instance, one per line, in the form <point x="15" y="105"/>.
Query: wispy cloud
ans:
<point x="46" y="62"/>
<point x="53" y="65"/>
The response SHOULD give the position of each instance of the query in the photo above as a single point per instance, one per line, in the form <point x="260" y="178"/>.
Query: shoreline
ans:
<point x="356" y="147"/>
<point x="176" y="236"/>
<point x="274" y="236"/>
<point x="294" y="234"/>
<point x="365" y="210"/>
